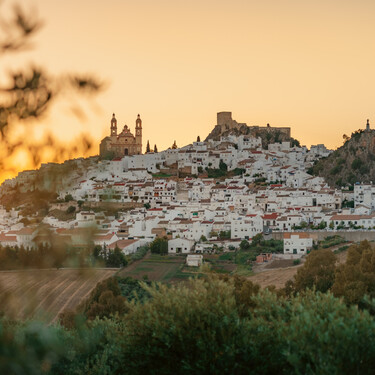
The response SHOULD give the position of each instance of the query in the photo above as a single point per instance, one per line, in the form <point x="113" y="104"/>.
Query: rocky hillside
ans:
<point x="35" y="189"/>
<point x="352" y="162"/>
<point x="269" y="135"/>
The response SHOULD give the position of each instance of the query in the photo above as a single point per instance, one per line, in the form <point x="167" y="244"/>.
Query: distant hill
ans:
<point x="350" y="163"/>
<point x="35" y="189"/>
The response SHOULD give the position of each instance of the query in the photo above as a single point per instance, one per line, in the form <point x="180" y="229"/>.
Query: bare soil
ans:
<point x="277" y="277"/>
<point x="44" y="294"/>
<point x="280" y="263"/>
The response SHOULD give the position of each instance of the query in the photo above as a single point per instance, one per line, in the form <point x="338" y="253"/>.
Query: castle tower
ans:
<point x="138" y="135"/>
<point x="113" y="126"/>
<point x="368" y="125"/>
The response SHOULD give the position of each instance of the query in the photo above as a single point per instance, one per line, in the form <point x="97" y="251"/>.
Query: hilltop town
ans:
<point x="205" y="196"/>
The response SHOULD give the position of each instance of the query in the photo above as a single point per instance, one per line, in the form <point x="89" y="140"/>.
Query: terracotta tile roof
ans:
<point x="5" y="238"/>
<point x="351" y="217"/>
<point x="272" y="216"/>
<point x="26" y="231"/>
<point x="287" y="235"/>
<point x="103" y="237"/>
<point x="121" y="244"/>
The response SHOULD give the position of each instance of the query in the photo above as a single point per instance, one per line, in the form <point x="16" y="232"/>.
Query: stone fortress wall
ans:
<point x="225" y="121"/>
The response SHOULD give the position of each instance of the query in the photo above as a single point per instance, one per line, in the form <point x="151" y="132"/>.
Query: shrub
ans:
<point x="70" y="209"/>
<point x="159" y="246"/>
<point x="68" y="198"/>
<point x="356" y="164"/>
<point x="140" y="253"/>
<point x="318" y="272"/>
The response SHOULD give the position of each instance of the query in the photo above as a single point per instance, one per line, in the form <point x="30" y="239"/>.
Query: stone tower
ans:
<point x="368" y="125"/>
<point x="138" y="134"/>
<point x="113" y="126"/>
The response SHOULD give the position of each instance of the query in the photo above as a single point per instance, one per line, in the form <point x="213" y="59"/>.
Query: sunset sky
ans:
<point x="304" y="64"/>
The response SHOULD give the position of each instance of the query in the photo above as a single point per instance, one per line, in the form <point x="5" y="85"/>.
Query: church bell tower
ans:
<point x="138" y="134"/>
<point x="113" y="126"/>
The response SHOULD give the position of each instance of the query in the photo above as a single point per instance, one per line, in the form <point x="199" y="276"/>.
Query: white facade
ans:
<point x="194" y="260"/>
<point x="180" y="245"/>
<point x="297" y="243"/>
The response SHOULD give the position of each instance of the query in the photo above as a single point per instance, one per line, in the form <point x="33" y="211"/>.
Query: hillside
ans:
<point x="352" y="162"/>
<point x="35" y="189"/>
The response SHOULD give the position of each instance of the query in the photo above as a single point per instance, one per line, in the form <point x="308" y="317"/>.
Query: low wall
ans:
<point x="352" y="236"/>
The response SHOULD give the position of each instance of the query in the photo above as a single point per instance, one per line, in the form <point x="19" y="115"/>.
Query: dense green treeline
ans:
<point x="60" y="255"/>
<point x="206" y="326"/>
<point x="353" y="280"/>
<point x="322" y="322"/>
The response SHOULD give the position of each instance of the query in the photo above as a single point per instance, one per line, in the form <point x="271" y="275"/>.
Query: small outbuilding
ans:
<point x="263" y="258"/>
<point x="194" y="260"/>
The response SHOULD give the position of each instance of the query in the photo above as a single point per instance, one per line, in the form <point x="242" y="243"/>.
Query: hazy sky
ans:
<point x="304" y="64"/>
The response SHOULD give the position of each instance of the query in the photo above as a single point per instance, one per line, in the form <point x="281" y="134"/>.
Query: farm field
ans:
<point x="158" y="268"/>
<point x="44" y="294"/>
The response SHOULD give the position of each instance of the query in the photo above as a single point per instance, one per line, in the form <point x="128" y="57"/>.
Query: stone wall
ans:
<point x="352" y="236"/>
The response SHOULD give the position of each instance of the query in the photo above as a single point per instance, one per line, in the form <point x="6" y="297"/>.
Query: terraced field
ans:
<point x="156" y="268"/>
<point x="44" y="294"/>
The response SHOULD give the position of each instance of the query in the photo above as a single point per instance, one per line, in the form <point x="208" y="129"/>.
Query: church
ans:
<point x="122" y="144"/>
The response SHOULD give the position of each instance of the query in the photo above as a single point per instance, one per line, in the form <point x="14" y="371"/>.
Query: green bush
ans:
<point x="335" y="170"/>
<point x="71" y="209"/>
<point x="68" y="198"/>
<point x="140" y="253"/>
<point x="207" y="326"/>
<point x="356" y="164"/>
<point x="159" y="246"/>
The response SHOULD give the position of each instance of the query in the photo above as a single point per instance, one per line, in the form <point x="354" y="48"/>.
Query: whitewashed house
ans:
<point x="180" y="245"/>
<point x="297" y="243"/>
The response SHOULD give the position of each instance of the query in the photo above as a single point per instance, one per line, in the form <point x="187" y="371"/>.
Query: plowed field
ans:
<point x="44" y="294"/>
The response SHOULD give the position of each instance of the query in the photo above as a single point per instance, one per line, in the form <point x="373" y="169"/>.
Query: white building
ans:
<point x="297" y="243"/>
<point x="194" y="260"/>
<point x="364" y="194"/>
<point x="180" y="245"/>
<point x="246" y="227"/>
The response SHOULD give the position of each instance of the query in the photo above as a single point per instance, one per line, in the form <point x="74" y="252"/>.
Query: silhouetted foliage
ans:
<point x="29" y="94"/>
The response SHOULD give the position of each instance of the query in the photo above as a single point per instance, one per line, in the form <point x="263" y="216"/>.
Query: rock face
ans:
<point x="350" y="163"/>
<point x="227" y="126"/>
